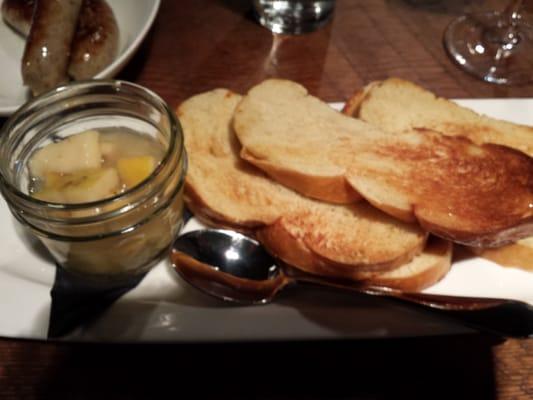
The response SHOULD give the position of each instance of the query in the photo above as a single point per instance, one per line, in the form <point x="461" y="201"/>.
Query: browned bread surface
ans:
<point x="316" y="237"/>
<point x="470" y="194"/>
<point x="424" y="270"/>
<point x="347" y="241"/>
<point x="395" y="105"/>
<point x="243" y="197"/>
<point x="479" y="195"/>
<point x="289" y="135"/>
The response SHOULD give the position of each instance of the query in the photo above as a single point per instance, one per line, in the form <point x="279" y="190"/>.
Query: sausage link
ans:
<point x="47" y="51"/>
<point x="95" y="42"/>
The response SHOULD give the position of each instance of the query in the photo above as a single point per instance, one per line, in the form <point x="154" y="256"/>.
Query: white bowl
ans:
<point x="134" y="21"/>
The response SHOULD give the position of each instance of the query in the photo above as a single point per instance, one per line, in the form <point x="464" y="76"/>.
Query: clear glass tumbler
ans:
<point x="111" y="239"/>
<point x="293" y="16"/>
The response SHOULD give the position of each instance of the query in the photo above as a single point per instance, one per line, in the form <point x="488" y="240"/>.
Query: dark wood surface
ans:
<point x="196" y="45"/>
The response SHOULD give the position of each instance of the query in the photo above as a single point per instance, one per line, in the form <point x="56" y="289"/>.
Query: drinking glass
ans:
<point x="293" y="16"/>
<point x="496" y="46"/>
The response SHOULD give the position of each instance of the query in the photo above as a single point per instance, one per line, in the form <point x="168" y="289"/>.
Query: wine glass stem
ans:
<point x="510" y="15"/>
<point x="505" y="34"/>
<point x="511" y="11"/>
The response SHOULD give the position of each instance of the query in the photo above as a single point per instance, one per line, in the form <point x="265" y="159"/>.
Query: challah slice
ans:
<point x="475" y="195"/>
<point x="289" y="135"/>
<point x="316" y="237"/>
<point x="430" y="266"/>
<point x="395" y="105"/>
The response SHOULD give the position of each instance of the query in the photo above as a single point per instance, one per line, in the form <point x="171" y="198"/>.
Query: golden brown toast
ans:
<point x="395" y="104"/>
<point x="293" y="144"/>
<point x="430" y="266"/>
<point x="474" y="195"/>
<point x="354" y="241"/>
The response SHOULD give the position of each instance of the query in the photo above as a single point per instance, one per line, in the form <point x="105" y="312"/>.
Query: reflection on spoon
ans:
<point x="228" y="265"/>
<point x="236" y="268"/>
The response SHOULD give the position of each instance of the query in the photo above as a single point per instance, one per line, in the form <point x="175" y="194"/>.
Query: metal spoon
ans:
<point x="236" y="268"/>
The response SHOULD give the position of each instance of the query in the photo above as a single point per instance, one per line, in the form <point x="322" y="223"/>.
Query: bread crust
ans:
<point x="310" y="171"/>
<point x="410" y="277"/>
<point x="454" y="120"/>
<point x="317" y="237"/>
<point x="395" y="105"/>
<point x="477" y="195"/>
<point x="434" y="259"/>
<point x="298" y="251"/>
<point x="331" y="189"/>
<point x="211" y="217"/>
<point x="354" y="103"/>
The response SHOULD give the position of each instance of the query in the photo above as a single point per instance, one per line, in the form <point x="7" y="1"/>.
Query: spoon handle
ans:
<point x="502" y="317"/>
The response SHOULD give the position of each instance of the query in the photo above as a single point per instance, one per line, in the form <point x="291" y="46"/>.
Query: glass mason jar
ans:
<point x="113" y="238"/>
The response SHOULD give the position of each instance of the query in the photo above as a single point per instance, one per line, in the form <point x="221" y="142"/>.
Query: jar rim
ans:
<point x="64" y="92"/>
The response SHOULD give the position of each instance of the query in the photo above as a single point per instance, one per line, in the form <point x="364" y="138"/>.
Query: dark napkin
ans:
<point x="76" y="301"/>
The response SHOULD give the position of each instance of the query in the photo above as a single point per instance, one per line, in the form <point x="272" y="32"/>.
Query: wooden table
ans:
<point x="197" y="45"/>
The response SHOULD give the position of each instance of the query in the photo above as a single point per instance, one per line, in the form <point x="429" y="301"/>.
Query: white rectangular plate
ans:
<point x="164" y="308"/>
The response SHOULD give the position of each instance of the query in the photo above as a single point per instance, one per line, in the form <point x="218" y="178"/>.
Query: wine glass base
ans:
<point x="474" y="43"/>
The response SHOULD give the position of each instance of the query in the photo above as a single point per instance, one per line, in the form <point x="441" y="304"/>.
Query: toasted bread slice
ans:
<point x="423" y="271"/>
<point x="395" y="105"/>
<point x="307" y="234"/>
<point x="481" y="196"/>
<point x="475" y="195"/>
<point x="241" y="198"/>
<point x="289" y="135"/>
<point x="333" y="239"/>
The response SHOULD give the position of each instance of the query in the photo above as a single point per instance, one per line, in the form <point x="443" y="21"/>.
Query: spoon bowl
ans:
<point x="227" y="265"/>
<point x="229" y="252"/>
<point x="235" y="268"/>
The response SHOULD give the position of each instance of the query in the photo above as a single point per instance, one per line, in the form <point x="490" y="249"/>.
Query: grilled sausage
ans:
<point x="47" y="51"/>
<point x="95" y="42"/>
<point x="18" y="14"/>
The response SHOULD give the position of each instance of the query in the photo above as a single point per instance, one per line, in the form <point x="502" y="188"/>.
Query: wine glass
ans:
<point x="496" y="46"/>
